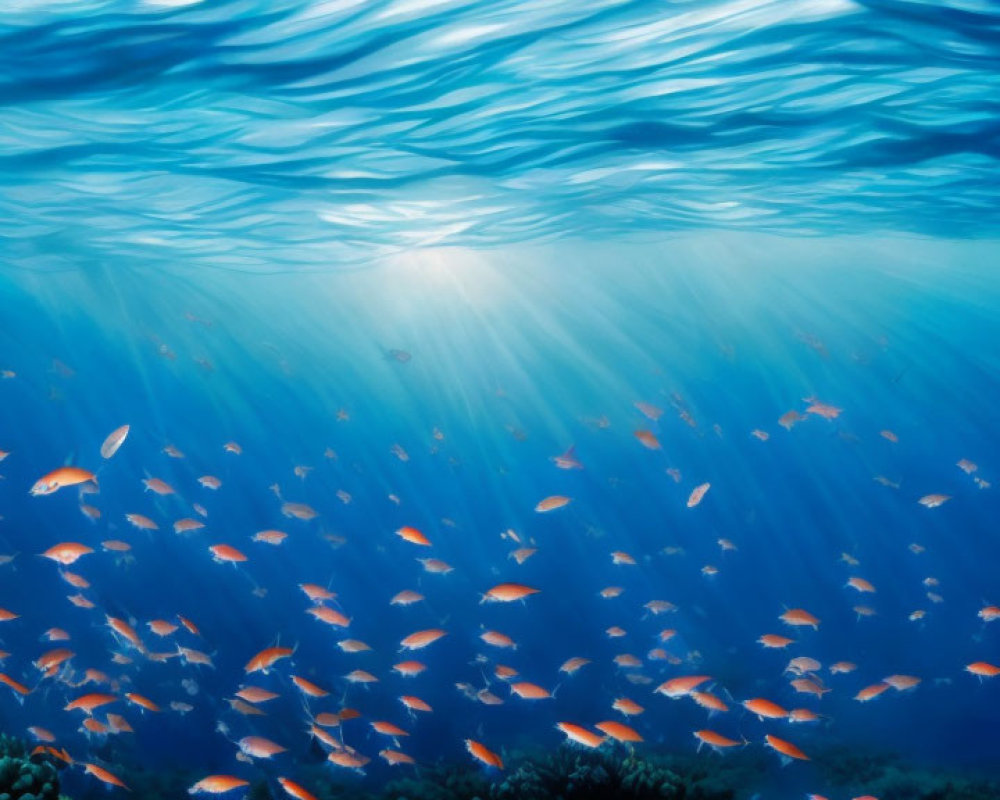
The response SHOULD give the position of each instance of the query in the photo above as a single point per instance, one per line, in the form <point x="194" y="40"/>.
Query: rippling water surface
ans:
<point x="267" y="135"/>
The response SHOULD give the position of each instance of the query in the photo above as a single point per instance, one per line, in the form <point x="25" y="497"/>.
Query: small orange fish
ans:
<point x="715" y="740"/>
<point x="697" y="494"/>
<point x="618" y="731"/>
<point x="58" y="478"/>
<point x="765" y="709"/>
<point x="580" y="735"/>
<point x="413" y="536"/>
<point x="934" y="500"/>
<point x="797" y="617"/>
<point x="679" y="687"/>
<point x="871" y="692"/>
<point x="648" y="439"/>
<point x="266" y="659"/>
<point x="552" y="503"/>
<point x="142" y="522"/>
<point x="507" y="593"/>
<point x="67" y="552"/>
<point x="158" y="486"/>
<point x="421" y="639"/>
<point x="481" y="753"/>
<point x="103" y="775"/>
<point x="217" y="784"/>
<point x="226" y="553"/>
<point x="786" y="749"/>
<point x="406" y="598"/>
<point x="294" y="790"/>
<point x="330" y="616"/>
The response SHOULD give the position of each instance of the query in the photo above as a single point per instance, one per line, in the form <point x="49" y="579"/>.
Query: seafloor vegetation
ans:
<point x="24" y="778"/>
<point x="563" y="774"/>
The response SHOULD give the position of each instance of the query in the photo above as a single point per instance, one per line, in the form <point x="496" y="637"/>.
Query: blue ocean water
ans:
<point x="405" y="255"/>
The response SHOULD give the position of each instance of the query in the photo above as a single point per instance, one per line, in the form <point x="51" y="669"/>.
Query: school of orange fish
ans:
<point x="105" y="708"/>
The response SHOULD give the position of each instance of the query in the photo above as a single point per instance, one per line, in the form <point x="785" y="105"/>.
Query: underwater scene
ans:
<point x="449" y="399"/>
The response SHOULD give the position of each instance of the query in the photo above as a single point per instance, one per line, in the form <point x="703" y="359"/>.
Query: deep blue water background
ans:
<point x="720" y="322"/>
<point x="217" y="218"/>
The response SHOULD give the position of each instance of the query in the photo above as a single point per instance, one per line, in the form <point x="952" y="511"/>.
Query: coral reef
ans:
<point x="440" y="783"/>
<point x="888" y="777"/>
<point x="24" y="778"/>
<point x="588" y="775"/>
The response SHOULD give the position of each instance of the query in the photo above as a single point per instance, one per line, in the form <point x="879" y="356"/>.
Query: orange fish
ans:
<point x="786" y="749"/>
<point x="983" y="669"/>
<point x="330" y="616"/>
<point x="871" y="692"/>
<point x="18" y="687"/>
<point x="88" y="702"/>
<point x="648" y="439"/>
<point x="860" y="584"/>
<point x="413" y="536"/>
<point x="294" y="790"/>
<point x="388" y="728"/>
<point x="394" y="757"/>
<point x="551" y="503"/>
<point x="299" y="511"/>
<point x="192" y="628"/>
<point x="934" y="500"/>
<point x="679" y="687"/>
<point x="254" y="694"/>
<point x="224" y="552"/>
<point x="823" y="410"/>
<point x="774" y="641"/>
<point x="498" y="639"/>
<point x="142" y="702"/>
<point x="142" y="522"/>
<point x="530" y="691"/>
<point x="308" y="687"/>
<point x="158" y="486"/>
<point x="161" y="627"/>
<point x="580" y="735"/>
<point x="715" y="740"/>
<point x="709" y="701"/>
<point x="266" y="659"/>
<point x="405" y="598"/>
<point x="270" y="536"/>
<point x="58" y="478"/>
<point x="436" y="566"/>
<point x="103" y="775"/>
<point x="799" y="617"/>
<point x="259" y="747"/>
<point x="568" y="460"/>
<point x="67" y="552"/>
<point x="571" y="665"/>
<point x="414" y="703"/>
<point x="316" y="593"/>
<point x="629" y="708"/>
<point x="187" y="525"/>
<point x="697" y="494"/>
<point x="507" y="593"/>
<point x="481" y="753"/>
<point x="217" y="784"/>
<point x="618" y="731"/>
<point x="126" y="631"/>
<point x="522" y="554"/>
<point x="765" y="709"/>
<point x="420" y="639"/>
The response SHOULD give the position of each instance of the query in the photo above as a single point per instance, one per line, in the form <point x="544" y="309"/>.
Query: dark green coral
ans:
<point x="24" y="778"/>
